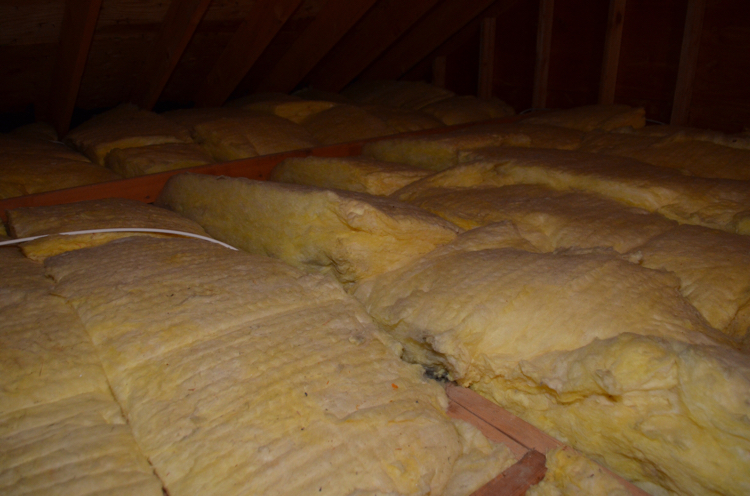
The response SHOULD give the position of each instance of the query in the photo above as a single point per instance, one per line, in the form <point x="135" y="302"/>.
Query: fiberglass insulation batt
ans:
<point x="599" y="352"/>
<point x="239" y="374"/>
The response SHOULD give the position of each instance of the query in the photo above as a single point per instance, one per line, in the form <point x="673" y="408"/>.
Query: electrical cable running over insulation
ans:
<point x="137" y="229"/>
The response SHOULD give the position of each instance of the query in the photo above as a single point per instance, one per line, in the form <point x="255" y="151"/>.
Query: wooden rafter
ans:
<point x="688" y="61"/>
<point x="429" y="33"/>
<point x="486" y="57"/>
<point x="76" y="34"/>
<point x="329" y="26"/>
<point x="543" y="48"/>
<point x="466" y="33"/>
<point x="179" y="24"/>
<point x="612" y="42"/>
<point x="378" y="30"/>
<point x="243" y="50"/>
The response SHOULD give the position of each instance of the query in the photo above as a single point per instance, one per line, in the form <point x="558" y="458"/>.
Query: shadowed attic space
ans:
<point x="66" y="61"/>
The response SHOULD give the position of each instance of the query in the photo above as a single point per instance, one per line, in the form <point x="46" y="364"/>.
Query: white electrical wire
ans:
<point x="120" y="229"/>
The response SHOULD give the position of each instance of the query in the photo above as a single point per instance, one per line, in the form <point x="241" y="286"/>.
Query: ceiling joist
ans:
<point x="76" y="34"/>
<point x="426" y="35"/>
<point x="334" y="20"/>
<point x="378" y="30"/>
<point x="177" y="29"/>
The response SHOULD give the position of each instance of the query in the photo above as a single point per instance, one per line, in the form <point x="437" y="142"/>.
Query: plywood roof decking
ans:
<point x="95" y="54"/>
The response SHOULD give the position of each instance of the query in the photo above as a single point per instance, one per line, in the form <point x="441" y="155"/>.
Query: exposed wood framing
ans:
<point x="330" y="25"/>
<point x="439" y="65"/>
<point x="688" y="61"/>
<point x="518" y="478"/>
<point x="498" y="419"/>
<point x="486" y="57"/>
<point x="76" y="33"/>
<point x="244" y="49"/>
<point x="380" y="28"/>
<point x="177" y="29"/>
<point x="612" y="42"/>
<point x="428" y="34"/>
<point x="543" y="48"/>
<point x="524" y="433"/>
<point x="467" y="33"/>
<point x="490" y="431"/>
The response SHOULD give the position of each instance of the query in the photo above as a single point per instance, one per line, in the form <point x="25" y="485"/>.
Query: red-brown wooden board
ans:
<point x="499" y="424"/>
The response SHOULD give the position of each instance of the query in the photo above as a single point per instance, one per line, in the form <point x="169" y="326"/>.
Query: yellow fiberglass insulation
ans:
<point x="61" y="430"/>
<point x="242" y="375"/>
<point x="358" y="173"/>
<point x="349" y="235"/>
<point x="601" y="353"/>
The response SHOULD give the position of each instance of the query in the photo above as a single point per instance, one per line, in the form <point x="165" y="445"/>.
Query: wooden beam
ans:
<point x="243" y="50"/>
<point x="428" y="34"/>
<point x="688" y="61"/>
<point x="465" y="34"/>
<point x="521" y="432"/>
<point x="518" y="478"/>
<point x="612" y="42"/>
<point x="490" y="431"/>
<point x="486" y="57"/>
<point x="177" y="28"/>
<point x="329" y="26"/>
<point x="379" y="29"/>
<point x="76" y="34"/>
<point x="543" y="48"/>
<point x="439" y="66"/>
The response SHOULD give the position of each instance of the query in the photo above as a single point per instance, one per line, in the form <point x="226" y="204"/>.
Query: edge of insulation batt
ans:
<point x="499" y="425"/>
<point x="147" y="188"/>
